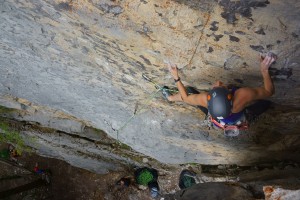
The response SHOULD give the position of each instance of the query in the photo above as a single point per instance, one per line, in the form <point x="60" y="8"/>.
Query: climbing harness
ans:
<point x="231" y="130"/>
<point x="250" y="114"/>
<point x="219" y="106"/>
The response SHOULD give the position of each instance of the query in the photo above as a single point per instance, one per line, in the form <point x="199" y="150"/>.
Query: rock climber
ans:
<point x="45" y="173"/>
<point x="225" y="105"/>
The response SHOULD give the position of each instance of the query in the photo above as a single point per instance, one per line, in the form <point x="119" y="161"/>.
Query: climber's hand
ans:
<point x="267" y="61"/>
<point x="174" y="70"/>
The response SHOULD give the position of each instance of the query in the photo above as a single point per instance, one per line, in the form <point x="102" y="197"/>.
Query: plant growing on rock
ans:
<point x="7" y="135"/>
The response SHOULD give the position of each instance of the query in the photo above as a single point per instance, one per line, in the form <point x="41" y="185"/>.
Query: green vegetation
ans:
<point x="96" y="130"/>
<point x="145" y="177"/>
<point x="6" y="110"/>
<point x="7" y="135"/>
<point x="124" y="146"/>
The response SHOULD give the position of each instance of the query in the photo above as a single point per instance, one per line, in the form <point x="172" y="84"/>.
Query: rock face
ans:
<point x="86" y="59"/>
<point x="213" y="191"/>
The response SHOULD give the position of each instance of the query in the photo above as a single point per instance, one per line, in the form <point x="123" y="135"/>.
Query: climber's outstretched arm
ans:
<point x="245" y="96"/>
<point x="182" y="95"/>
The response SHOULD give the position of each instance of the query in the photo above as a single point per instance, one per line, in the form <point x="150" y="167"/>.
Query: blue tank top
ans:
<point x="233" y="118"/>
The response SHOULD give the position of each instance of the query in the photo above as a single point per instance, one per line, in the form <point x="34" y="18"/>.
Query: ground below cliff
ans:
<point x="68" y="182"/>
<point x="99" y="181"/>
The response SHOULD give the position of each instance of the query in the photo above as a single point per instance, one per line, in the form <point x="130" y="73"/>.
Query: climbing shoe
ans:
<point x="166" y="93"/>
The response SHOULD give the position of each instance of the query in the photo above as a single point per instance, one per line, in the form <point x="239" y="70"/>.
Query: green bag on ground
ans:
<point x="145" y="175"/>
<point x="4" y="154"/>
<point x="187" y="179"/>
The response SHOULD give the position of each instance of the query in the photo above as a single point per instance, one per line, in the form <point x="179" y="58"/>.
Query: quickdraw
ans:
<point x="138" y="111"/>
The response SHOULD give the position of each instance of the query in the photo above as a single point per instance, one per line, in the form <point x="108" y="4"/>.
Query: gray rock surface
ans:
<point x="212" y="191"/>
<point x="86" y="60"/>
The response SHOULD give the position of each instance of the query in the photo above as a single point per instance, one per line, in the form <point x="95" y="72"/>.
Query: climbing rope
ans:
<point x="151" y="96"/>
